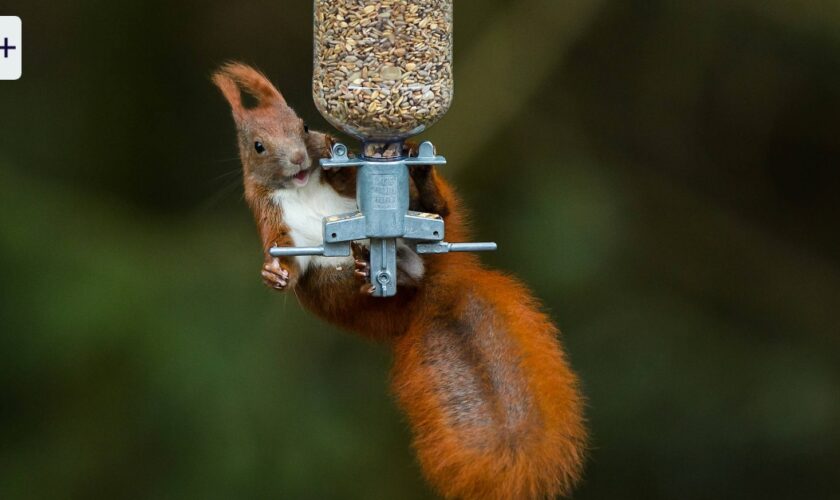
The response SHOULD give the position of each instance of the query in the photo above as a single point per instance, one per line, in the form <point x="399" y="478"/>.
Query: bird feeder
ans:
<point x="382" y="73"/>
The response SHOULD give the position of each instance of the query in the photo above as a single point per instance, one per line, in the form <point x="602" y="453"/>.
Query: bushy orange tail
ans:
<point x="494" y="407"/>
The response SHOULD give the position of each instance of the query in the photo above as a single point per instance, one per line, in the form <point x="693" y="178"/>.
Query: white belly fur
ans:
<point x="304" y="210"/>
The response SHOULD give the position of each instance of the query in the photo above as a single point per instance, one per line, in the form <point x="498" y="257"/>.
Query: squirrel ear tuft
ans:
<point x="231" y="92"/>
<point x="233" y="78"/>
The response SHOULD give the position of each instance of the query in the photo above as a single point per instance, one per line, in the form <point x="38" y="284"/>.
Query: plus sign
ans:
<point x="6" y="48"/>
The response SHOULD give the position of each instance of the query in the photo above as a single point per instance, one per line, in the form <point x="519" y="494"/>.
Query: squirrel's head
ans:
<point x="272" y="138"/>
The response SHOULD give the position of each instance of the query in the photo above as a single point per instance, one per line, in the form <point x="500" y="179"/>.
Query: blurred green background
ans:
<point x="661" y="173"/>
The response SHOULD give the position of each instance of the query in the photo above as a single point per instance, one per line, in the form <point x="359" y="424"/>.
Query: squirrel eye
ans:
<point x="259" y="147"/>
<point x="306" y="128"/>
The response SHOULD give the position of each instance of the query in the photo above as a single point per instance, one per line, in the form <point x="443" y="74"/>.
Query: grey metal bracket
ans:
<point x="340" y="158"/>
<point x="425" y="156"/>
<point x="444" y="247"/>
<point x="423" y="226"/>
<point x="325" y="250"/>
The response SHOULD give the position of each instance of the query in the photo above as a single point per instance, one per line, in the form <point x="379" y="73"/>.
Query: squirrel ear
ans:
<point x="252" y="82"/>
<point x="319" y="144"/>
<point x="231" y="92"/>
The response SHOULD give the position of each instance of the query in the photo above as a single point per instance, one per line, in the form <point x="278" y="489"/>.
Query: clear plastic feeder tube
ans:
<point x="383" y="68"/>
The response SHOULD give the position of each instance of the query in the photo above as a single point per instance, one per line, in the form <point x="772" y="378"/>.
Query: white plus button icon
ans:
<point x="6" y="48"/>
<point x="11" y="42"/>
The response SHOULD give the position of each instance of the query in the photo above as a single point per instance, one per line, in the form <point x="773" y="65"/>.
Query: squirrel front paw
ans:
<point x="275" y="276"/>
<point x="361" y="256"/>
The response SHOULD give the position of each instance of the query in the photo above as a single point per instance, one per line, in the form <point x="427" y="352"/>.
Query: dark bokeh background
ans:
<point x="661" y="173"/>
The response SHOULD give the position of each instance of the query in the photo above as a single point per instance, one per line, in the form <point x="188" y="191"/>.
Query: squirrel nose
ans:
<point x="298" y="158"/>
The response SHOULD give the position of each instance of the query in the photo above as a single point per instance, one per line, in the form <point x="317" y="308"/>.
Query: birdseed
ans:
<point x="383" y="69"/>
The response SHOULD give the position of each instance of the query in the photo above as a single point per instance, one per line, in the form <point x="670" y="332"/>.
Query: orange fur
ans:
<point x="494" y="407"/>
<point x="233" y="77"/>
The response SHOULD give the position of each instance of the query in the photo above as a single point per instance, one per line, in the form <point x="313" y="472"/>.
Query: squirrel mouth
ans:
<point x="301" y="178"/>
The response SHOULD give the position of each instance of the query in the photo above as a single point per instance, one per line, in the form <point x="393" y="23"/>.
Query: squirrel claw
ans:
<point x="362" y="272"/>
<point x="275" y="267"/>
<point x="274" y="281"/>
<point x="362" y="269"/>
<point x="275" y="276"/>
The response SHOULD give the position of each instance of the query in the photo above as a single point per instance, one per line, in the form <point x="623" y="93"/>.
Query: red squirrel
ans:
<point x="289" y="195"/>
<point x="493" y="405"/>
